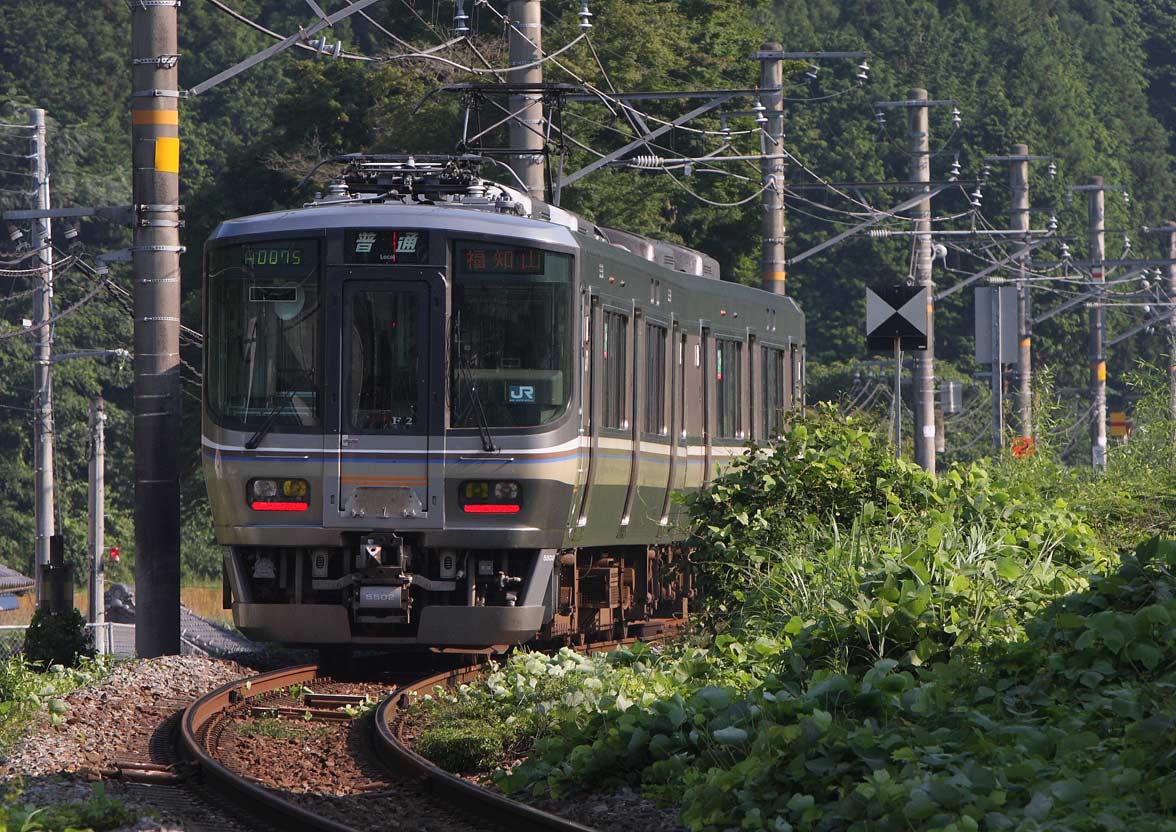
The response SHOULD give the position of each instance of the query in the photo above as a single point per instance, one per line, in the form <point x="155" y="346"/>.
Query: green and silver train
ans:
<point x="439" y="413"/>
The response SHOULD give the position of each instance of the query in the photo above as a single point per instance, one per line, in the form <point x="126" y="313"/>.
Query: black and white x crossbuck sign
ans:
<point x="896" y="312"/>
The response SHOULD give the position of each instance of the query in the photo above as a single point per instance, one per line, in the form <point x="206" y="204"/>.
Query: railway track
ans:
<point x="394" y="783"/>
<point x="375" y="776"/>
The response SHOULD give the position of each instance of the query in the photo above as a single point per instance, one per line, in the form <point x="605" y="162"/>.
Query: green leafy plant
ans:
<point x="57" y="638"/>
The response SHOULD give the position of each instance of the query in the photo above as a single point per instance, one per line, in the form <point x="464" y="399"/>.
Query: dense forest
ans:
<point x="1091" y="83"/>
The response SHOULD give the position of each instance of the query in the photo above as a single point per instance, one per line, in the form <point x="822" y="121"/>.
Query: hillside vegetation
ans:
<point x="1090" y="82"/>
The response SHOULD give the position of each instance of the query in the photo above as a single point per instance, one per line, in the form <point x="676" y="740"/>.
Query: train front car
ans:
<point x="390" y="437"/>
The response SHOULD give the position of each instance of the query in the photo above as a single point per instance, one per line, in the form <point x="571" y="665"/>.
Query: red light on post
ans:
<point x="114" y="554"/>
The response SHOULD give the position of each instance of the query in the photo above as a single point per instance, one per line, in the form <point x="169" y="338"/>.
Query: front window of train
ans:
<point x="511" y="338"/>
<point x="264" y="335"/>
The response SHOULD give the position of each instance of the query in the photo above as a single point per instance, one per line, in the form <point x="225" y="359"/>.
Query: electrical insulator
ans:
<point x="954" y="173"/>
<point x="648" y="162"/>
<point x="863" y="73"/>
<point x="1065" y="252"/>
<point x="461" y="20"/>
<point x="1126" y="198"/>
<point x="585" y="17"/>
<point x="975" y="199"/>
<point x="812" y="71"/>
<point x="880" y="117"/>
<point x="956" y="121"/>
<point x="1145" y="284"/>
<point x="1147" y="309"/>
<point x="1052" y="170"/>
<point x="1126" y="243"/>
<point x="759" y="108"/>
<point x="1053" y="223"/>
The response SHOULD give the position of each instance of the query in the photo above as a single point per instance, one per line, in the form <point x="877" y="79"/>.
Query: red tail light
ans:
<point x="490" y="508"/>
<point x="279" y="506"/>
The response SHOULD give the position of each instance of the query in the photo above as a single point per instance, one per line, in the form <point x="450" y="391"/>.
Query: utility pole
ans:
<point x="1098" y="359"/>
<point x="42" y="353"/>
<point x="97" y="515"/>
<point x="1171" y="269"/>
<point x="772" y="259"/>
<point x="997" y="368"/>
<point x="925" y="361"/>
<point x="1019" y="222"/>
<point x="155" y="256"/>
<point x="526" y="125"/>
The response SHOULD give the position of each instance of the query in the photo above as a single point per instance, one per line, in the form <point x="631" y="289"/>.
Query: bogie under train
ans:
<point x="456" y="417"/>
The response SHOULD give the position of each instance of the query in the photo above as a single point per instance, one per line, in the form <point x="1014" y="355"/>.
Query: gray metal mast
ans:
<point x="97" y="515"/>
<point x="527" y="125"/>
<point x="924" y="361"/>
<point x="1171" y="268"/>
<point x="1019" y="222"/>
<point x="42" y="378"/>
<point x="156" y="268"/>
<point x="773" y="270"/>
<point x="997" y="367"/>
<point x="1098" y="359"/>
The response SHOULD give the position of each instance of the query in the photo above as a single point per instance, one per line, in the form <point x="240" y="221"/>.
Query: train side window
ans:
<point x="728" y="387"/>
<point x="616" y="334"/>
<point x="656" y="338"/>
<point x="774" y="391"/>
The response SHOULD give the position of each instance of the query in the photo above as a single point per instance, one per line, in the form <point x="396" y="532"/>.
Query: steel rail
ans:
<point x="198" y="719"/>
<point x="398" y="756"/>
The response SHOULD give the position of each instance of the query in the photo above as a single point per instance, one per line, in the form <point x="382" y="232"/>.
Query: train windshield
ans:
<point x="264" y="335"/>
<point x="511" y="338"/>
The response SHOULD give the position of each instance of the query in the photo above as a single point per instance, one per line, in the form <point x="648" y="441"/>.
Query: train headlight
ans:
<point x="504" y="491"/>
<point x="483" y="497"/>
<point x="278" y="495"/>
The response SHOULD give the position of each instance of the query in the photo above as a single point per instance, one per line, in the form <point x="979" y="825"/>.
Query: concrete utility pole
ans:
<point x="97" y="517"/>
<point x="924" y="361"/>
<point x="997" y="368"/>
<point x="527" y="125"/>
<point x="1171" y="269"/>
<point x="42" y="378"/>
<point x="155" y="255"/>
<point x="772" y="259"/>
<point x="1019" y="222"/>
<point x="1098" y="359"/>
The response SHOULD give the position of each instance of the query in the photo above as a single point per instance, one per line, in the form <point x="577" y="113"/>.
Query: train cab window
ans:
<point x="656" y="338"/>
<point x="264" y="335"/>
<point x="614" y="413"/>
<point x="511" y="335"/>
<point x="775" y="391"/>
<point x="384" y="362"/>
<point x="729" y="387"/>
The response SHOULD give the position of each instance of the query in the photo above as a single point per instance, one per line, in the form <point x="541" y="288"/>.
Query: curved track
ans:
<point x="202" y="723"/>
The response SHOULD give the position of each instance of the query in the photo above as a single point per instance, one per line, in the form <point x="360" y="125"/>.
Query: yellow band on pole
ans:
<point x="167" y="154"/>
<point x="142" y="117"/>
<point x="773" y="275"/>
<point x="1025" y="342"/>
<point x="1100" y="370"/>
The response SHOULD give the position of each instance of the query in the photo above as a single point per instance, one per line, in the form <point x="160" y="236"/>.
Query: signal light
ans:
<point x="487" y="497"/>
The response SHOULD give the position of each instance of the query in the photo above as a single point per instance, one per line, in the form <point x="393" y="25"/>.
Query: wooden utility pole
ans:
<point x="527" y="125"/>
<point x="97" y="517"/>
<point x="1019" y="223"/>
<point x="1098" y="359"/>
<point x="920" y="148"/>
<point x="772" y="257"/>
<point x="42" y="353"/>
<point x="155" y="256"/>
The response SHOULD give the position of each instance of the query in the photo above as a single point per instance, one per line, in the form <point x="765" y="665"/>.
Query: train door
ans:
<point x="390" y="381"/>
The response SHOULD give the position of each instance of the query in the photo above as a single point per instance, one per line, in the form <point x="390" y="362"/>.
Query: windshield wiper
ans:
<point x="483" y="423"/>
<point x="268" y="422"/>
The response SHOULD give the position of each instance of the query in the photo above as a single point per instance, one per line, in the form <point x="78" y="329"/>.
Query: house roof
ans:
<point x="13" y="581"/>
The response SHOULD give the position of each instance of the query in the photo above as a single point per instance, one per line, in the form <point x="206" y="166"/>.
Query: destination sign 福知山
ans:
<point x="491" y="259"/>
